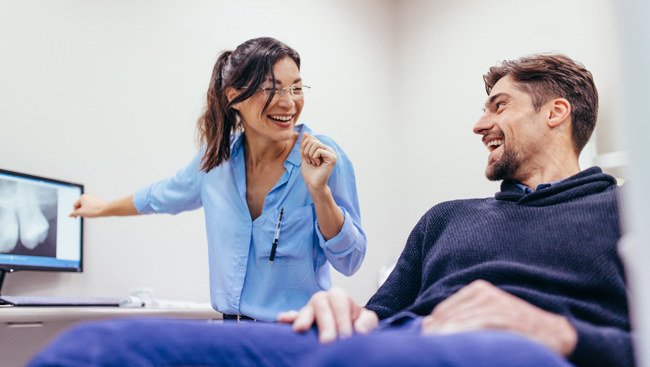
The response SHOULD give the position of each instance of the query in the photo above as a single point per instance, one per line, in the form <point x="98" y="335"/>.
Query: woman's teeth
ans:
<point x="494" y="144"/>
<point x="281" y="118"/>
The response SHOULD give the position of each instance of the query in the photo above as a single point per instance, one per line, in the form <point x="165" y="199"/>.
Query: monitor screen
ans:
<point x="36" y="232"/>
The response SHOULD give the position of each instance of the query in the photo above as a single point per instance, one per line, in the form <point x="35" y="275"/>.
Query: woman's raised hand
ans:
<point x="318" y="161"/>
<point x="88" y="206"/>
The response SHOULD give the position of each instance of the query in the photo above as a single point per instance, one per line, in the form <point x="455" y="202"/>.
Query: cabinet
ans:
<point x="25" y="330"/>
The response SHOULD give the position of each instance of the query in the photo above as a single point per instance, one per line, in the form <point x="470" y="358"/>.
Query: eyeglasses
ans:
<point x="296" y="91"/>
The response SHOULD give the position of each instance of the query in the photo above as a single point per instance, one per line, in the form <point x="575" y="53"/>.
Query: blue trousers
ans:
<point x="169" y="342"/>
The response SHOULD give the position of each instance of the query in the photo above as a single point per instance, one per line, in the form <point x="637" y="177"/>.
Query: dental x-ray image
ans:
<point x="28" y="218"/>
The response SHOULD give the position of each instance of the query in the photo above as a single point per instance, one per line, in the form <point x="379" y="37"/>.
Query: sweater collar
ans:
<point x="589" y="181"/>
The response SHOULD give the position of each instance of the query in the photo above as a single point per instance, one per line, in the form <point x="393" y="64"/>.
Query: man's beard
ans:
<point x="504" y="168"/>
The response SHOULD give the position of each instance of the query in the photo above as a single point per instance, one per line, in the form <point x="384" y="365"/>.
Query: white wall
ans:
<point x="107" y="93"/>
<point x="444" y="49"/>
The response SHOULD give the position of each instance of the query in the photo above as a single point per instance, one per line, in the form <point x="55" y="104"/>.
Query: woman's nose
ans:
<point x="286" y="100"/>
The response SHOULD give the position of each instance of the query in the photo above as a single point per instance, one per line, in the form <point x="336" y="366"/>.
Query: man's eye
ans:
<point x="500" y="104"/>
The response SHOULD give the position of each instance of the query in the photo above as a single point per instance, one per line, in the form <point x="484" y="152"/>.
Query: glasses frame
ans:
<point x="280" y="92"/>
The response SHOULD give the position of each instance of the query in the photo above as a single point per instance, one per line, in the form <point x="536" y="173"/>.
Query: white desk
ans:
<point x="25" y="330"/>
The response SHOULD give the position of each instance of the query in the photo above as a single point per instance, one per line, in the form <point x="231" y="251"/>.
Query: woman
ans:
<point x="274" y="174"/>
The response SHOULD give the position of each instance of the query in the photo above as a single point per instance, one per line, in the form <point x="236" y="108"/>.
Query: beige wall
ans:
<point x="107" y="93"/>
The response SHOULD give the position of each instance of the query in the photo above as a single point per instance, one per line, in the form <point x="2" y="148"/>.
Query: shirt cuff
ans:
<point x="142" y="199"/>
<point x="343" y="243"/>
<point x="601" y="346"/>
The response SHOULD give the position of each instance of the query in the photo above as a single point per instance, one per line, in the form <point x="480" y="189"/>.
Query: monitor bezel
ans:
<point x="16" y="267"/>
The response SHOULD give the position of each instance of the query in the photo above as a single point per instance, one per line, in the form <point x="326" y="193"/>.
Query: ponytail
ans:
<point x="218" y="121"/>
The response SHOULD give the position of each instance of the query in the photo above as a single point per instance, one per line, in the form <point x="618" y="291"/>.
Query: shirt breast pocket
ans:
<point x="296" y="234"/>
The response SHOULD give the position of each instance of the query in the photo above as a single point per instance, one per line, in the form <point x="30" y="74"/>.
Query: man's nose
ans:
<point x="483" y="125"/>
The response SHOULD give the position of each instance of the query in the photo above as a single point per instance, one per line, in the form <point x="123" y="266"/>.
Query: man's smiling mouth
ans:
<point x="494" y="144"/>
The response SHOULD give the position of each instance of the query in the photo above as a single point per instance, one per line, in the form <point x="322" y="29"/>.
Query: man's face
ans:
<point x="511" y="131"/>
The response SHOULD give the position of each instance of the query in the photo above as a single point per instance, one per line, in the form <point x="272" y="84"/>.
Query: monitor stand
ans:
<point x="2" y="277"/>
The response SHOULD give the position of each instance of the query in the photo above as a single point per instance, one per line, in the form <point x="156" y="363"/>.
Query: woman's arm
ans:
<point x="330" y="218"/>
<point x="174" y="194"/>
<point x="91" y="206"/>
<point x="332" y="186"/>
<point x="318" y="161"/>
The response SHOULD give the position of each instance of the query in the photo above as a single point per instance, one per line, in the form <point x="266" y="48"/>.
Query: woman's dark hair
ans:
<point x="548" y="76"/>
<point x="244" y="69"/>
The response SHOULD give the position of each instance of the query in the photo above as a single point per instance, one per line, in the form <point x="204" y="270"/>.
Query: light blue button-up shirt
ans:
<point x="241" y="279"/>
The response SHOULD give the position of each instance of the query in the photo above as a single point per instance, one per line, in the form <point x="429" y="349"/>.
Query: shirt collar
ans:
<point x="237" y="145"/>
<point x="294" y="156"/>
<point x="527" y="190"/>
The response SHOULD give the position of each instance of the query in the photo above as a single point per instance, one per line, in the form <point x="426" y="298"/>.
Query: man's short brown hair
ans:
<point x="548" y="76"/>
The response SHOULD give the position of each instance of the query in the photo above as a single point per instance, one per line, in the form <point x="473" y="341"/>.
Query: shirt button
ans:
<point x="241" y="263"/>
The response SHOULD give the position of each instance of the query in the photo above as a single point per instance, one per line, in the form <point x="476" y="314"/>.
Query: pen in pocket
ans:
<point x="276" y="237"/>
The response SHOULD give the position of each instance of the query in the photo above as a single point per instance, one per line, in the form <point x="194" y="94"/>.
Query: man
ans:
<point x="530" y="277"/>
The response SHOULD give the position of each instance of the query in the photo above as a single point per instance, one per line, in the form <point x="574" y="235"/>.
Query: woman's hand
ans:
<point x="88" y="206"/>
<point x="335" y="315"/>
<point x="318" y="161"/>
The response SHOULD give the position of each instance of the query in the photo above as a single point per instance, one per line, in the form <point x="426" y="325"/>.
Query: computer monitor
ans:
<point x="36" y="232"/>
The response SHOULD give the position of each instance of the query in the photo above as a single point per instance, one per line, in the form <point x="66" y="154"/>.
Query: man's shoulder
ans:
<point x="447" y="209"/>
<point x="462" y="203"/>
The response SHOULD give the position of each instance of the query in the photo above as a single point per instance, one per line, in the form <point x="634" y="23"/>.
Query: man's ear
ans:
<point x="559" y="111"/>
<point x="232" y="93"/>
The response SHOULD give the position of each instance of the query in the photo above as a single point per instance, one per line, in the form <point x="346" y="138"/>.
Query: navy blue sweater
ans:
<point x="554" y="248"/>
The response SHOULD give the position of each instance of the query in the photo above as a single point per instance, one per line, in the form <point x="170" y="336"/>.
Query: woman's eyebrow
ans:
<point x="278" y="81"/>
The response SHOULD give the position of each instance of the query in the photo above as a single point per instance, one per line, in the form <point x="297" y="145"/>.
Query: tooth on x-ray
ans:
<point x="33" y="225"/>
<point x="21" y="215"/>
<point x="8" y="230"/>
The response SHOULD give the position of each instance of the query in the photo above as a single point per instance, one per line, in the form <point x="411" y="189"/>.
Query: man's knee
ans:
<point x="475" y="349"/>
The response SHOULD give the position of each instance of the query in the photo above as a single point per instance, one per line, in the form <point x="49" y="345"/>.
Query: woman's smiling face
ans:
<point x="277" y="122"/>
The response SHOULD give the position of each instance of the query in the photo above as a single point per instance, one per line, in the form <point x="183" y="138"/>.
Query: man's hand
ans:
<point x="335" y="313"/>
<point x="481" y="305"/>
